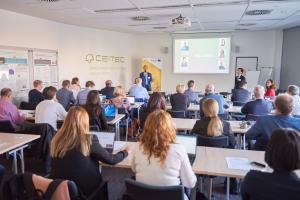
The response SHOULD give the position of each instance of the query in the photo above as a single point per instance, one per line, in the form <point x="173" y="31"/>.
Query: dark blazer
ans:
<point x="262" y="130"/>
<point x="100" y="121"/>
<point x="143" y="116"/>
<point x="65" y="97"/>
<point x="221" y="101"/>
<point x="179" y="101"/>
<point x="241" y="95"/>
<point x="149" y="80"/>
<point x="84" y="170"/>
<point x="259" y="185"/>
<point x="257" y="107"/>
<point x="201" y="128"/>
<point x="35" y="97"/>
<point x="238" y="80"/>
<point x="108" y="92"/>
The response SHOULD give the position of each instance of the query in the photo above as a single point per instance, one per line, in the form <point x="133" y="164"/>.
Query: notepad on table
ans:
<point x="238" y="163"/>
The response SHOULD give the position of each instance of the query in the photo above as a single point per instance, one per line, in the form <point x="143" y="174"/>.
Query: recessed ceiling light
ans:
<point x="258" y="12"/>
<point x="49" y="1"/>
<point x="159" y="27"/>
<point x="140" y="18"/>
<point x="247" y="24"/>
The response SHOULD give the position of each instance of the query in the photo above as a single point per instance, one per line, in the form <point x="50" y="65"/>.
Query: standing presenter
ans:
<point x="146" y="78"/>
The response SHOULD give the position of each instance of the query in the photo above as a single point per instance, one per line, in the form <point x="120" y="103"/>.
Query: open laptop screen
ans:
<point x="109" y="110"/>
<point x="189" y="143"/>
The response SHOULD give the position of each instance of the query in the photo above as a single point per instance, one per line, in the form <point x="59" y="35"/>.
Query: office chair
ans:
<point x="177" y="113"/>
<point x="6" y="126"/>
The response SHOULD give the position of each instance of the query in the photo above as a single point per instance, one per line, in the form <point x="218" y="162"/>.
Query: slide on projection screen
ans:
<point x="201" y="55"/>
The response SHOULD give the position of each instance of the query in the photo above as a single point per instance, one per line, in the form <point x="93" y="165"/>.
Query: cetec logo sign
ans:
<point x="102" y="58"/>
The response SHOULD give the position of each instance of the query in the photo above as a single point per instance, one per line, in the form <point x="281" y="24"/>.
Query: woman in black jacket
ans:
<point x="76" y="154"/>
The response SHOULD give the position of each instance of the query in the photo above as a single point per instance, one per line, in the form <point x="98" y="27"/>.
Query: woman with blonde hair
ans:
<point x="211" y="125"/>
<point x="179" y="100"/>
<point x="119" y="99"/>
<point x="159" y="160"/>
<point x="76" y="154"/>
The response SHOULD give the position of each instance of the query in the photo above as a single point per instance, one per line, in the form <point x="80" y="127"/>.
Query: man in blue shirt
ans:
<point x="240" y="95"/>
<point x="65" y="96"/>
<point x="265" y="125"/>
<point x="146" y="78"/>
<point x="191" y="94"/>
<point x="82" y="95"/>
<point x="138" y="91"/>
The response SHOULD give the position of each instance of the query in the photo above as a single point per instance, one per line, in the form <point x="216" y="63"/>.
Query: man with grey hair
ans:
<point x="293" y="90"/>
<point x="138" y="91"/>
<point x="259" y="106"/>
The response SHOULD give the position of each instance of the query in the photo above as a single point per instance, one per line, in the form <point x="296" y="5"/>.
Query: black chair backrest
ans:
<point x="207" y="141"/>
<point x="224" y="116"/>
<point x="27" y="106"/>
<point x="136" y="191"/>
<point x="6" y="126"/>
<point x="238" y="103"/>
<point x="177" y="113"/>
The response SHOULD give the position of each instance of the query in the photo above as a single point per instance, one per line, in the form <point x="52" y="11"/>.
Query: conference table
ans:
<point x="192" y="108"/>
<point x="12" y="143"/>
<point x="209" y="161"/>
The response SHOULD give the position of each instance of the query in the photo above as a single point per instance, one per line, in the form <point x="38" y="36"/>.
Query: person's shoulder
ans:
<point x="256" y="175"/>
<point x="178" y="149"/>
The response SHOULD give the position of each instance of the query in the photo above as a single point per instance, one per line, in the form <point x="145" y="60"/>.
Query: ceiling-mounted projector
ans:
<point x="181" y="22"/>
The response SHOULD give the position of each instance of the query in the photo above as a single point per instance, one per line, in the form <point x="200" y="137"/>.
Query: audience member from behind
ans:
<point x="190" y="92"/>
<point x="108" y="90"/>
<point x="64" y="96"/>
<point x="35" y="95"/>
<point x="259" y="106"/>
<point x="239" y="77"/>
<point x="293" y="90"/>
<point x="76" y="154"/>
<point x="75" y="86"/>
<point x="156" y="101"/>
<point x="82" y="95"/>
<point x="265" y="125"/>
<point x="50" y="111"/>
<point x="95" y="111"/>
<point x="283" y="156"/>
<point x="211" y="125"/>
<point x="8" y="111"/>
<point x="138" y="91"/>
<point x="210" y="94"/>
<point x="179" y="100"/>
<point x="158" y="159"/>
<point x="270" y="88"/>
<point x="240" y="95"/>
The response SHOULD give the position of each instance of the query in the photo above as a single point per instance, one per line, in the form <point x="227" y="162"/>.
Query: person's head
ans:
<point x="75" y="81"/>
<point x="270" y="84"/>
<point x="284" y="104"/>
<point x="210" y="108"/>
<point x="92" y="105"/>
<point x="243" y="84"/>
<point x="66" y="84"/>
<point x="259" y="92"/>
<point x="293" y="90"/>
<point x="50" y="93"/>
<point x="90" y="84"/>
<point x="239" y="71"/>
<point x="38" y="85"/>
<point x="145" y="68"/>
<point x="209" y="88"/>
<point x="283" y="150"/>
<point x="191" y="84"/>
<point x="138" y="81"/>
<point x="119" y="91"/>
<point x="108" y="83"/>
<point x="74" y="133"/>
<point x="159" y="132"/>
<point x="6" y="93"/>
<point x="156" y="101"/>
<point x="180" y="88"/>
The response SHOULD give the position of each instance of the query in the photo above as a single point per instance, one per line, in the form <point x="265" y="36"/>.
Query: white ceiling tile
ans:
<point x="258" y="23"/>
<point x="218" y="1"/>
<point x="158" y="3"/>
<point x="219" y="25"/>
<point x="104" y="4"/>
<point x="60" y="5"/>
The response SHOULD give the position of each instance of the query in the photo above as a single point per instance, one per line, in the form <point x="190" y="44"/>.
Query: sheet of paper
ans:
<point x="238" y="163"/>
<point x="119" y="145"/>
<point x="106" y="139"/>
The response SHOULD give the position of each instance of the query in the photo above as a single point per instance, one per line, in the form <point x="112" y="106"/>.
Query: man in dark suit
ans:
<point x="146" y="78"/>
<point x="239" y="77"/>
<point x="241" y="95"/>
<point x="265" y="125"/>
<point x="108" y="91"/>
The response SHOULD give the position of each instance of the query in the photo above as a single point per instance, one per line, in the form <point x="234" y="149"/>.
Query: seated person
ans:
<point x="293" y="90"/>
<point x="265" y="125"/>
<point x="108" y="91"/>
<point x="35" y="95"/>
<point x="270" y="88"/>
<point x="76" y="154"/>
<point x="210" y="94"/>
<point x="211" y="125"/>
<point x="241" y="95"/>
<point x="158" y="159"/>
<point x="75" y="86"/>
<point x="138" y="91"/>
<point x="8" y="111"/>
<point x="179" y="101"/>
<point x="283" y="156"/>
<point x="95" y="111"/>
<point x="64" y="96"/>
<point x="190" y="93"/>
<point x="82" y="95"/>
<point x="49" y="111"/>
<point x="259" y="106"/>
<point x="120" y="100"/>
<point x="156" y="101"/>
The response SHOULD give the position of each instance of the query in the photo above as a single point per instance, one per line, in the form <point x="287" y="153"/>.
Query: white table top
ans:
<point x="192" y="107"/>
<point x="234" y="109"/>
<point x="10" y="141"/>
<point x="116" y="119"/>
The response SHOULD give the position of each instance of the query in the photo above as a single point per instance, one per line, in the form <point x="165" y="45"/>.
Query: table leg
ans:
<point x="15" y="162"/>
<point x="117" y="126"/>
<point x="244" y="141"/>
<point x="22" y="160"/>
<point x="228" y="189"/>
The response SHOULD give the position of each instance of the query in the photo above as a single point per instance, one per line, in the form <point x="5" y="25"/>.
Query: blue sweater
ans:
<point x="222" y="103"/>
<point x="257" y="107"/>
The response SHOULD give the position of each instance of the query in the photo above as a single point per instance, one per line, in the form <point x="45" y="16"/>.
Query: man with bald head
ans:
<point x="108" y="90"/>
<point x="210" y="94"/>
<point x="265" y="125"/>
<point x="259" y="106"/>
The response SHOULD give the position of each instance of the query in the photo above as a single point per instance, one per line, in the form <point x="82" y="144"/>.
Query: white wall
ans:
<point x="72" y="43"/>
<point x="264" y="44"/>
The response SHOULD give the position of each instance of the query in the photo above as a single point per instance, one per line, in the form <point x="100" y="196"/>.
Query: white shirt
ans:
<point x="177" y="168"/>
<point x="296" y="110"/>
<point x="49" y="111"/>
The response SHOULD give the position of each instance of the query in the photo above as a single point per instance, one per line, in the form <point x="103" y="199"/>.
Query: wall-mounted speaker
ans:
<point x="237" y="49"/>
<point x="165" y="50"/>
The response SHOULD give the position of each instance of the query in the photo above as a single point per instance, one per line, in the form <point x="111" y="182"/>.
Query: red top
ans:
<point x="270" y="92"/>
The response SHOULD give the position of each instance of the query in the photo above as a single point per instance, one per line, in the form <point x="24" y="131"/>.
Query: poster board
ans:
<point x="155" y="68"/>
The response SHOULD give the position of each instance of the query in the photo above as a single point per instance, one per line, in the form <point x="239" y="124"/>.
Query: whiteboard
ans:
<point x="252" y="78"/>
<point x="247" y="63"/>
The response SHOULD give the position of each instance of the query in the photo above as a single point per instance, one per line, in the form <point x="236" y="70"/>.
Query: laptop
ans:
<point x="102" y="98"/>
<point x="109" y="111"/>
<point x="106" y="139"/>
<point x="190" y="144"/>
<point x="130" y="99"/>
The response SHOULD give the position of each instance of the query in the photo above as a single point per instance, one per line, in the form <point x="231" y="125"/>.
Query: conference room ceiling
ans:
<point x="205" y="15"/>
